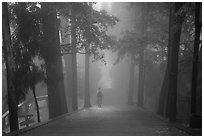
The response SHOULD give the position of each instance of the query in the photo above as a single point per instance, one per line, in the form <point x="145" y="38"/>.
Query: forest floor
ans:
<point x="107" y="121"/>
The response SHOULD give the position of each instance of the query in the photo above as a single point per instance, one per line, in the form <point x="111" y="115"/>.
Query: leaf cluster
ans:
<point x="26" y="42"/>
<point x="150" y="32"/>
<point x="91" y="27"/>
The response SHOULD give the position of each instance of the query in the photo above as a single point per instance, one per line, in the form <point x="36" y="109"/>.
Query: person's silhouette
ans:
<point x="99" y="97"/>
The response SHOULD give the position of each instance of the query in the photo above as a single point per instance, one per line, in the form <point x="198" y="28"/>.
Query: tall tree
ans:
<point x="87" y="102"/>
<point x="93" y="31"/>
<point x="90" y="30"/>
<point x="136" y="40"/>
<point x="53" y="61"/>
<point x="198" y="25"/>
<point x="26" y="39"/>
<point x="129" y="45"/>
<point x="87" y="93"/>
<point x="25" y="44"/>
<point x="176" y="18"/>
<point x="131" y="80"/>
<point x="143" y="32"/>
<point x="74" y="57"/>
<point x="141" y="79"/>
<point x="10" y="67"/>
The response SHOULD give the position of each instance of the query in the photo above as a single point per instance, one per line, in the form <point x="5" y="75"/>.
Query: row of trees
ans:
<point x="178" y="15"/>
<point x="90" y="31"/>
<point x="35" y="33"/>
<point x="31" y="30"/>
<point x="151" y="42"/>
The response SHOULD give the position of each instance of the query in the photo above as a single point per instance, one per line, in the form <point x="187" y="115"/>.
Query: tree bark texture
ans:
<point x="74" y="61"/>
<point x="174" y="36"/>
<point x="10" y="68"/>
<point x="87" y="81"/>
<point x="198" y="25"/>
<point x="163" y="96"/>
<point x="53" y="61"/>
<point x="141" y="57"/>
<point x="68" y="82"/>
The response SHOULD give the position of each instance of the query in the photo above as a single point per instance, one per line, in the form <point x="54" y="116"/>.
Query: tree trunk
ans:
<point x="74" y="83"/>
<point x="68" y="82"/>
<point x="53" y="61"/>
<point x="198" y="24"/>
<point x="74" y="61"/>
<point x="36" y="103"/>
<point x="10" y="68"/>
<point x="163" y="96"/>
<point x="141" y="79"/>
<point x="131" y="81"/>
<point x="175" y="30"/>
<point x="66" y="39"/>
<point x="87" y="94"/>
<point x="163" y="99"/>
<point x="143" y="25"/>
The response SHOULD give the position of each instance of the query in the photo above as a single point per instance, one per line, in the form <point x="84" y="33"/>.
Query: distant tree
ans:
<point x="131" y="81"/>
<point x="98" y="39"/>
<point x="147" y="31"/>
<point x="152" y="30"/>
<point x="89" y="36"/>
<point x="129" y="45"/>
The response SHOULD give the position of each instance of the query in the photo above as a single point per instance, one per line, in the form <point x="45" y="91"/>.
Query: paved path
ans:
<point x="108" y="121"/>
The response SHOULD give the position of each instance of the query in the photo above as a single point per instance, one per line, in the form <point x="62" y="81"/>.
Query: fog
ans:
<point x="110" y="56"/>
<point x="112" y="79"/>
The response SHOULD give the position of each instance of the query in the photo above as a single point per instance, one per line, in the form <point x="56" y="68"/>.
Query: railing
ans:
<point x="24" y="119"/>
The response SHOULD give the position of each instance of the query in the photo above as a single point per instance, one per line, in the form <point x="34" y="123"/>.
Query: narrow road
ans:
<point x="108" y="121"/>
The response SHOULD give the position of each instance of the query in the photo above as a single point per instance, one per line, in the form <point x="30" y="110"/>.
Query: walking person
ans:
<point x="99" y="97"/>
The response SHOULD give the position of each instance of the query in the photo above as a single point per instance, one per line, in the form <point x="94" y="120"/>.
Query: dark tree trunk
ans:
<point x="68" y="84"/>
<point x="10" y="68"/>
<point x="163" y="99"/>
<point x="131" y="81"/>
<point x="36" y="103"/>
<point x="175" y="33"/>
<point x="74" y="83"/>
<point x="87" y="93"/>
<point x="198" y="24"/>
<point x="141" y="78"/>
<point x="74" y="61"/>
<point x="53" y="61"/>
<point x="163" y="96"/>
<point x="143" y="24"/>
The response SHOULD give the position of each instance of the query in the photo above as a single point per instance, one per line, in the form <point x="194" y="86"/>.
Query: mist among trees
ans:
<point x="55" y="56"/>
